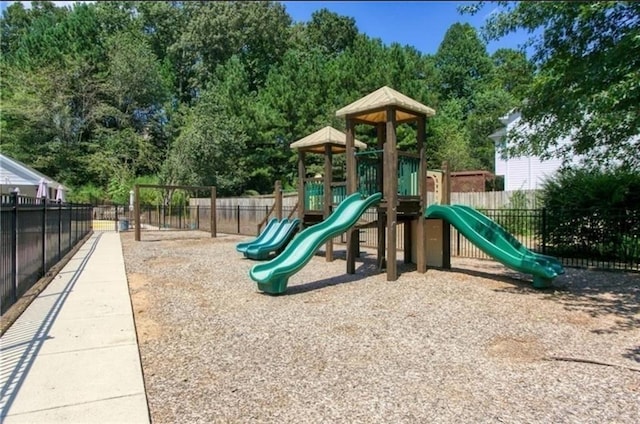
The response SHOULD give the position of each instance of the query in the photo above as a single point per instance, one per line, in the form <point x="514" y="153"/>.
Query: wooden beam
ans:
<point x="446" y="227"/>
<point x="301" y="176"/>
<point x="381" y="129"/>
<point x="136" y="211"/>
<point x="212" y="213"/>
<point x="421" y="231"/>
<point x="277" y="194"/>
<point x="391" y="194"/>
<point x="328" y="179"/>
<point x="352" y="186"/>
<point x="174" y="187"/>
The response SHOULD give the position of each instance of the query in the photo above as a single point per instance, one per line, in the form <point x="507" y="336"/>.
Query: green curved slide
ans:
<point x="498" y="243"/>
<point x="540" y="258"/>
<point x="272" y="277"/>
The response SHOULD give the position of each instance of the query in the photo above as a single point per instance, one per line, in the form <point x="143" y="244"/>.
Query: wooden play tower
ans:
<point x="400" y="176"/>
<point x="317" y="196"/>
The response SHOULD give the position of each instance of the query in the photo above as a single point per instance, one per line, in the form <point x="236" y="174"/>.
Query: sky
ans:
<point x="421" y="24"/>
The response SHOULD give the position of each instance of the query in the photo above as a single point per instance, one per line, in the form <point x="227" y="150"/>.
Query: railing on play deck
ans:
<point x="314" y="193"/>
<point x="368" y="167"/>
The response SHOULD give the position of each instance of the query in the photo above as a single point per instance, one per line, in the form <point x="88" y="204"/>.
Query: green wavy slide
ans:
<point x="273" y="276"/>
<point x="498" y="243"/>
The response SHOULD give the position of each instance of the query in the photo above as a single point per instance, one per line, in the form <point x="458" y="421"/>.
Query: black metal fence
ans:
<point x="578" y="238"/>
<point x="611" y="241"/>
<point x="35" y="235"/>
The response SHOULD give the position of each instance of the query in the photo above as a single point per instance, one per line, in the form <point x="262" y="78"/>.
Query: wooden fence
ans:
<point x="521" y="199"/>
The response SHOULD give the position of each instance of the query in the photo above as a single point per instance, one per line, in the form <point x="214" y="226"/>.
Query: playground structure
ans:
<point x="317" y="196"/>
<point x="397" y="183"/>
<point x="401" y="177"/>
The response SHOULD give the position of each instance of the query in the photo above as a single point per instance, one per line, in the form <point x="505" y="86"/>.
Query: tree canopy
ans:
<point x="587" y="80"/>
<point x="99" y="95"/>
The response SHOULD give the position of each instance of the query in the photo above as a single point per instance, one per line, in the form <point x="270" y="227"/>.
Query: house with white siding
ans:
<point x="522" y="172"/>
<point x="16" y="176"/>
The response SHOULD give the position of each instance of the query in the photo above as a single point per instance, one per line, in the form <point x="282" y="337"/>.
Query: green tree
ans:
<point x="257" y="32"/>
<point x="463" y="63"/>
<point x="489" y="105"/>
<point x="327" y="31"/>
<point x="513" y="72"/>
<point x="449" y="138"/>
<point x="587" y="85"/>
<point x="210" y="149"/>
<point x="584" y="205"/>
<point x="48" y="117"/>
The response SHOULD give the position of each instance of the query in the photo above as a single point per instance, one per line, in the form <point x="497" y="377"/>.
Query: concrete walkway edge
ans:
<point x="72" y="356"/>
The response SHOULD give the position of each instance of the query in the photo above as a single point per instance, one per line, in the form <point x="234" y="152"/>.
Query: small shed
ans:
<point x="468" y="182"/>
<point x="15" y="174"/>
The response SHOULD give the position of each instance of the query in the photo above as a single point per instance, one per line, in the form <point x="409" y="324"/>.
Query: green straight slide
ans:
<point x="498" y="243"/>
<point x="272" y="277"/>
<point x="269" y="231"/>
<point x="261" y="251"/>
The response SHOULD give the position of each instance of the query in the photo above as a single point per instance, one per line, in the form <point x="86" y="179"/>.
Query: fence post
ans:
<point x="198" y="216"/>
<point x="77" y="221"/>
<point x="59" y="230"/>
<point x="70" y="219"/>
<point x="238" y="215"/>
<point x="278" y="198"/>
<point x="213" y="213"/>
<point x="14" y="247"/>
<point x="44" y="236"/>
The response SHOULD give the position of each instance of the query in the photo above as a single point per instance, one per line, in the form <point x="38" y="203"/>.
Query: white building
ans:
<point x="16" y="175"/>
<point x="523" y="172"/>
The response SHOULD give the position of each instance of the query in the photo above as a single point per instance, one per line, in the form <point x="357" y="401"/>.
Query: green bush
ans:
<point x="593" y="212"/>
<point x="87" y="194"/>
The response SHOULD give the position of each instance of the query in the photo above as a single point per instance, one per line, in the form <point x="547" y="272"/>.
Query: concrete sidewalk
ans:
<point x="72" y="356"/>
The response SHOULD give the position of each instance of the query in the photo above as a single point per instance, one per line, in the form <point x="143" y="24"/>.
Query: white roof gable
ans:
<point x="15" y="173"/>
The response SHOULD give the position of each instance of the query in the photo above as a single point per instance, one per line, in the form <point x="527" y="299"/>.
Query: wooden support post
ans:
<point x="446" y="227"/>
<point x="421" y="231"/>
<point x="381" y="262"/>
<point x="352" y="235"/>
<point x="136" y="211"/>
<point x="301" y="175"/>
<point x="328" y="198"/>
<point x="277" y="193"/>
<point x="213" y="213"/>
<point x="408" y="241"/>
<point x="391" y="194"/>
<point x="382" y="216"/>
